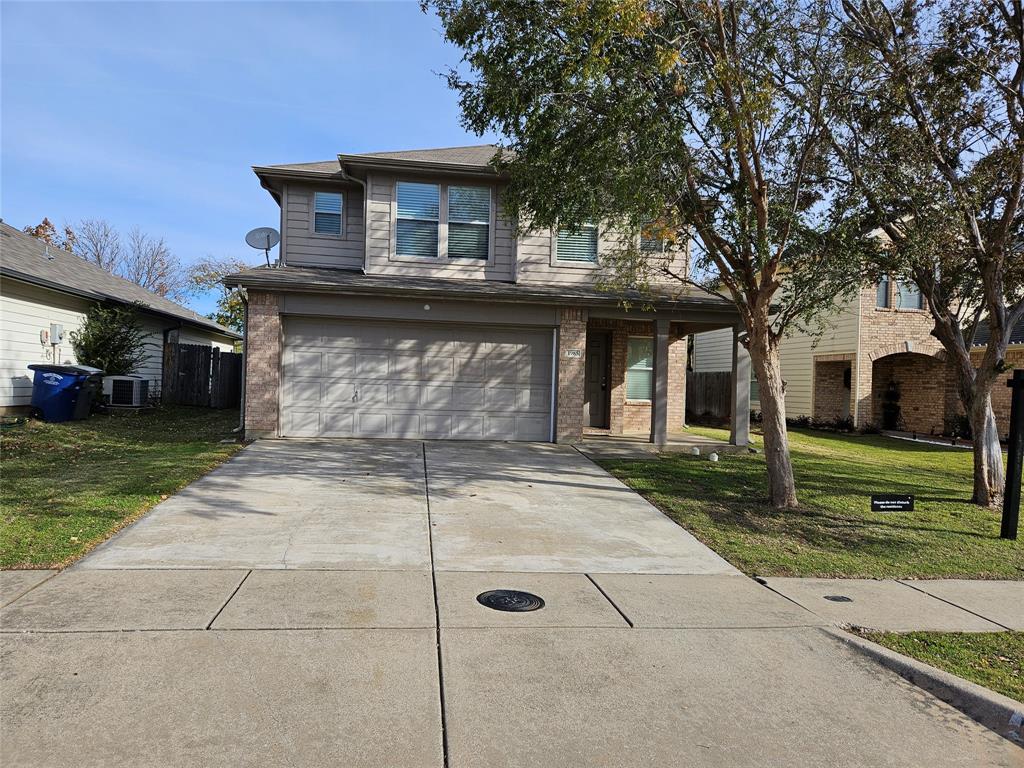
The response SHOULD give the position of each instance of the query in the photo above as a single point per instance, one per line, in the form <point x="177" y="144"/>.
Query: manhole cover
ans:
<point x="839" y="598"/>
<point x="510" y="600"/>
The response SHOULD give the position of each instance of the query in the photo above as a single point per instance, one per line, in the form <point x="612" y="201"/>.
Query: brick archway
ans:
<point x="930" y="349"/>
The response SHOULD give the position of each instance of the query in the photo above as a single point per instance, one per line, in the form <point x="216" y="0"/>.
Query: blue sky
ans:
<point x="152" y="114"/>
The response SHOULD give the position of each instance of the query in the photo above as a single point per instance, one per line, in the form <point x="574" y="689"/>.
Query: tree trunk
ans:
<point x="764" y="356"/>
<point x="974" y="387"/>
<point x="989" y="477"/>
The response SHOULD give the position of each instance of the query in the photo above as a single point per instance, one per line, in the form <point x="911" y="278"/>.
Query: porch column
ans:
<point x="659" y="398"/>
<point x="739" y="423"/>
<point x="262" y="364"/>
<point x="571" y="368"/>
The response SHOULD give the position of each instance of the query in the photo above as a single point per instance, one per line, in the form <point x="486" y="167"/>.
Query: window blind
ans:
<point x="469" y="222"/>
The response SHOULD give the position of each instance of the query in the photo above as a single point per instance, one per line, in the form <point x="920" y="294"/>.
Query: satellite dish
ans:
<point x="263" y="239"/>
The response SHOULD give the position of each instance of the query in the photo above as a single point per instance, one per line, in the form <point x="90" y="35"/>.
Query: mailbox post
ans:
<point x="1014" y="459"/>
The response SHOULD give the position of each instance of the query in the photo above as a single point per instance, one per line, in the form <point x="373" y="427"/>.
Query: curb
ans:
<point x="993" y="710"/>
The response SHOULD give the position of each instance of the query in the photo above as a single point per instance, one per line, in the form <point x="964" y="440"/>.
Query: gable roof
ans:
<point x="474" y="159"/>
<point x="477" y="155"/>
<point x="30" y="260"/>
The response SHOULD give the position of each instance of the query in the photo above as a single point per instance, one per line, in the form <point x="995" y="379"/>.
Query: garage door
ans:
<point x="346" y="378"/>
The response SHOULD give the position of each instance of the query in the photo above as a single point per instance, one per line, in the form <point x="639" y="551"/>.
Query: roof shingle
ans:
<point x="29" y="259"/>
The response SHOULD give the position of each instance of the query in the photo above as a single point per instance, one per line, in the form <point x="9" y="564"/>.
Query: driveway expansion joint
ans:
<point x="233" y="593"/>
<point x="955" y="605"/>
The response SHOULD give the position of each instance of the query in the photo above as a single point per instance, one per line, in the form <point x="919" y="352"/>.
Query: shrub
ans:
<point x="111" y="338"/>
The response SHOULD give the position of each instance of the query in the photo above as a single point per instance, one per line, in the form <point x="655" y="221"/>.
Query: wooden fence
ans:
<point x="199" y="375"/>
<point x="708" y="393"/>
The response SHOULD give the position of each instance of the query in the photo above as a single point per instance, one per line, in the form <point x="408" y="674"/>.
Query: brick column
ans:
<point x="861" y="383"/>
<point x="262" y="364"/>
<point x="676" y="382"/>
<point x="659" y="398"/>
<point x="572" y="335"/>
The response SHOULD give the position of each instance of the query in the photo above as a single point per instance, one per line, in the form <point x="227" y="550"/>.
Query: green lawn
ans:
<point x="834" y="533"/>
<point x="992" y="659"/>
<point x="67" y="487"/>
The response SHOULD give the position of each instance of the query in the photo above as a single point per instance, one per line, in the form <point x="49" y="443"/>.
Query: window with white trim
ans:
<point x="909" y="295"/>
<point x="469" y="222"/>
<point x="649" y="240"/>
<point x="327" y="211"/>
<point x="639" y="368"/>
<point x="882" y="297"/>
<point x="419" y="212"/>
<point x="578" y="245"/>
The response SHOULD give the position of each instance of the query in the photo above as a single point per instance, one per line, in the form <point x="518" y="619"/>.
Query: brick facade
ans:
<point x="920" y="381"/>
<point x="896" y="346"/>
<point x="886" y="331"/>
<point x="572" y="334"/>
<point x="832" y="387"/>
<point x="1000" y="392"/>
<point x="633" y="416"/>
<point x="262" y="364"/>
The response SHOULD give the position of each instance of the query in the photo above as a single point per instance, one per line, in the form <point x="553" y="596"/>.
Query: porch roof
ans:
<point x="327" y="280"/>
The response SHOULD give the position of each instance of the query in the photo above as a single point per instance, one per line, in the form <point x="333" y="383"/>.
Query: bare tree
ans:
<point x="97" y="241"/>
<point x="147" y="261"/>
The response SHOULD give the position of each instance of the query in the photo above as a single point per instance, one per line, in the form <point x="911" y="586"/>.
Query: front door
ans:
<point x="595" y="399"/>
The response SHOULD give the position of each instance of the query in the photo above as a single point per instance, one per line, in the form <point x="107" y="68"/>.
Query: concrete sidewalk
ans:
<point x="940" y="605"/>
<point x="314" y="603"/>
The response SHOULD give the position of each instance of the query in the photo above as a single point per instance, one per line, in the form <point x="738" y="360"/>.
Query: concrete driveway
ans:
<point x="314" y="603"/>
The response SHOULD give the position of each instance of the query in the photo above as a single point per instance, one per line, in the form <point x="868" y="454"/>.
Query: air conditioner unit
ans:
<point x="125" y="391"/>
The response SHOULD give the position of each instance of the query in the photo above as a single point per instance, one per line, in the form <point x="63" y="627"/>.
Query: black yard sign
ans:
<point x="892" y="502"/>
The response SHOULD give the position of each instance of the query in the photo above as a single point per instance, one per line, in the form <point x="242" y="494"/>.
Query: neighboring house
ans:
<point x="406" y="305"/>
<point x="877" y="364"/>
<point x="43" y="285"/>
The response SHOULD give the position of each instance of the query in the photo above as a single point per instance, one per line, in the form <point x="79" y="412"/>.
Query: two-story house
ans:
<point x="408" y="305"/>
<point x="876" y="363"/>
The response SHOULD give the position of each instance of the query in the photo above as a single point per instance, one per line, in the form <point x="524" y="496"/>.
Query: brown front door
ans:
<point x="595" y="398"/>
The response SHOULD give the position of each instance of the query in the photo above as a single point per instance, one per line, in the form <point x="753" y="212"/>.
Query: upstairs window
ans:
<point x="909" y="296"/>
<point x="419" y="208"/>
<point x="649" y="241"/>
<point x="882" y="297"/>
<point x="327" y="209"/>
<point x="469" y="222"/>
<point x="639" y="368"/>
<point x="577" y="245"/>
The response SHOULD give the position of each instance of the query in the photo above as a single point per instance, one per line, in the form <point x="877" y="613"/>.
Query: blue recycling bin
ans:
<point x="63" y="392"/>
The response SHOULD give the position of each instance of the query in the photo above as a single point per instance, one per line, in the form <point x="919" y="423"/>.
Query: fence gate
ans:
<point x="708" y="393"/>
<point x="195" y="374"/>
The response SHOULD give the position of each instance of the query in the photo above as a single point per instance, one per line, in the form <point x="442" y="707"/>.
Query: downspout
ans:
<point x="366" y="202"/>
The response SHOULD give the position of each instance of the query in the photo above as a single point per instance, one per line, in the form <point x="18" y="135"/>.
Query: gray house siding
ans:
<point x="532" y="258"/>
<point x="303" y="247"/>
<point x="381" y="256"/>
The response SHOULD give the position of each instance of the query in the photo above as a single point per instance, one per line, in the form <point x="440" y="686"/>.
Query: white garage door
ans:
<point x="344" y="378"/>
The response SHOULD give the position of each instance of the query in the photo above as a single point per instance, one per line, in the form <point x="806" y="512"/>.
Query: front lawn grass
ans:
<point x="66" y="487"/>
<point x="834" y="532"/>
<point x="992" y="659"/>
